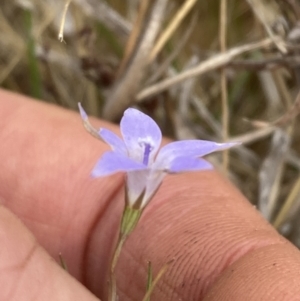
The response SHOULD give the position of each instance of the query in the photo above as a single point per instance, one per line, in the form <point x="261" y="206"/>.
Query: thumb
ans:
<point x="221" y="247"/>
<point x="27" y="272"/>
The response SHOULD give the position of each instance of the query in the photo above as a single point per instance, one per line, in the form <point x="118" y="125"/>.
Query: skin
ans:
<point x="221" y="247"/>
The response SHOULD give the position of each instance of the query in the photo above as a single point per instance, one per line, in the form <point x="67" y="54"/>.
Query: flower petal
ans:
<point x="83" y="113"/>
<point x="140" y="131"/>
<point x="143" y="183"/>
<point x="155" y="179"/>
<point x="136" y="182"/>
<point x="113" y="162"/>
<point x="114" y="141"/>
<point x="87" y="124"/>
<point x="182" y="164"/>
<point x="187" y="148"/>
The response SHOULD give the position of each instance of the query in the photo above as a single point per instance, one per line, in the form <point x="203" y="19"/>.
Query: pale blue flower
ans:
<point x="138" y="155"/>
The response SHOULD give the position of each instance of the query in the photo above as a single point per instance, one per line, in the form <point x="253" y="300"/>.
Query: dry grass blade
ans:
<point x="102" y="12"/>
<point x="10" y="67"/>
<point x="178" y="47"/>
<point x="181" y="128"/>
<point x="125" y="89"/>
<point x="206" y="115"/>
<point x="57" y="58"/>
<point x="253" y="136"/>
<point x="260" y="83"/>
<point x="267" y="63"/>
<point x="182" y="116"/>
<point x="149" y="278"/>
<point x="270" y="89"/>
<point x="289" y="203"/>
<point x="131" y="9"/>
<point x="176" y="21"/>
<point x="186" y="89"/>
<point x="210" y="64"/>
<point x="271" y="171"/>
<point x="63" y="20"/>
<point x="12" y="38"/>
<point x="155" y="281"/>
<point x="62" y="262"/>
<point x="291" y="113"/>
<point x="283" y="89"/>
<point x="273" y="166"/>
<point x="134" y="34"/>
<point x="224" y="90"/>
<point x="268" y="12"/>
<point x="293" y="159"/>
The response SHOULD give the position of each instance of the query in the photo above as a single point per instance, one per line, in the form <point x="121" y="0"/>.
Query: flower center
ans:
<point x="146" y="153"/>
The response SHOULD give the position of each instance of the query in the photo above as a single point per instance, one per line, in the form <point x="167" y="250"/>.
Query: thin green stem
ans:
<point x="33" y="64"/>
<point x="112" y="282"/>
<point x="129" y="221"/>
<point x="117" y="252"/>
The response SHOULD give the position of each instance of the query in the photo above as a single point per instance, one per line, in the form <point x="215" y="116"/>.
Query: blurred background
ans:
<point x="223" y="70"/>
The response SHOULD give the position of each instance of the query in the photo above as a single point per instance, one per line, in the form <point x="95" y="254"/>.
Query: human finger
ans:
<point x="201" y="222"/>
<point x="27" y="272"/>
<point x="221" y="247"/>
<point x="47" y="157"/>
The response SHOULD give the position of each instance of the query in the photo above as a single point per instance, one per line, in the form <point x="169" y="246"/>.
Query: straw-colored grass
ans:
<point x="227" y="70"/>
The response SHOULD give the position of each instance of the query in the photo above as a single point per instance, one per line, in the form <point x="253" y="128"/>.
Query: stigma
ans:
<point x="147" y="151"/>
